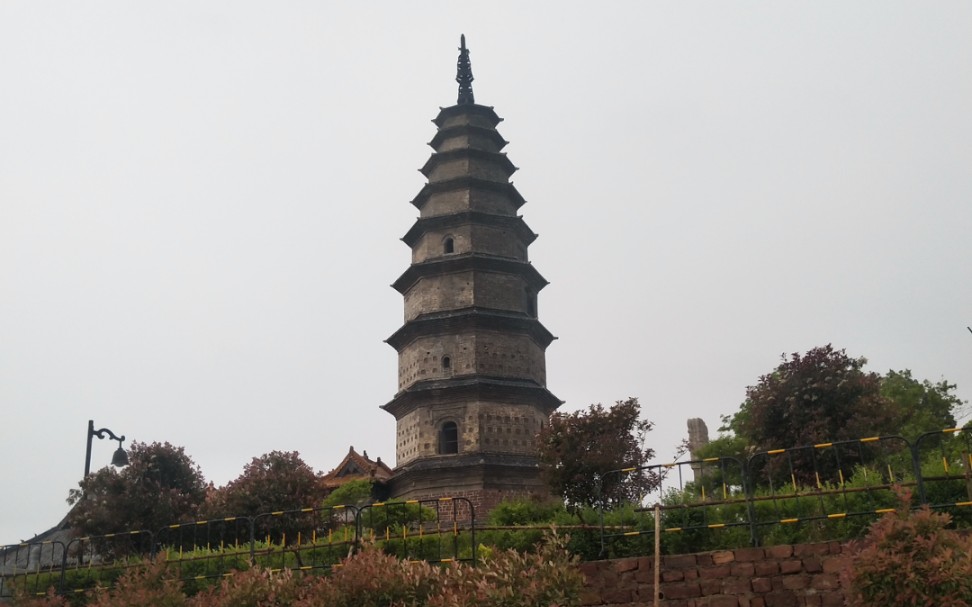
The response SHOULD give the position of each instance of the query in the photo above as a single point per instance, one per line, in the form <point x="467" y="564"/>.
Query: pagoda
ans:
<point x="472" y="390"/>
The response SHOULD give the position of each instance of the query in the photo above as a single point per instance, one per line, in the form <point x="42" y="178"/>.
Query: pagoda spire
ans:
<point x="464" y="74"/>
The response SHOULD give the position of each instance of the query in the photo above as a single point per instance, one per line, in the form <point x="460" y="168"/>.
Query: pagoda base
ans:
<point x="484" y="479"/>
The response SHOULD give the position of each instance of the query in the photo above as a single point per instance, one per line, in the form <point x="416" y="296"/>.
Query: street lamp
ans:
<point x="119" y="458"/>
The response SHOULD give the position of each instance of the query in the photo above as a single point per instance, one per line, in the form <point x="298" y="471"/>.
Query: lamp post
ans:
<point x="119" y="458"/>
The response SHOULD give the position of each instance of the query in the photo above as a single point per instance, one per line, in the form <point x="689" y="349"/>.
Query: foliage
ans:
<point x="352" y="493"/>
<point x="923" y="406"/>
<point x="823" y="395"/>
<point x="577" y="450"/>
<point x="251" y="588"/>
<point x="911" y="558"/>
<point x="527" y="512"/>
<point x="51" y="599"/>
<point x="150" y="584"/>
<point x="160" y="485"/>
<point x="274" y="481"/>
<point x="369" y="578"/>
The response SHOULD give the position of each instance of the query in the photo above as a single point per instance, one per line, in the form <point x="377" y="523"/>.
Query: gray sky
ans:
<point x="201" y="205"/>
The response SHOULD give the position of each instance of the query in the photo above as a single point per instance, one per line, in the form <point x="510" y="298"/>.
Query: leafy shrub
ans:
<point x="911" y="558"/>
<point x="150" y="584"/>
<point x="253" y="588"/>
<point x="370" y="578"/>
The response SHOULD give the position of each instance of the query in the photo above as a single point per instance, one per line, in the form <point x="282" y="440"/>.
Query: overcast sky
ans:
<point x="201" y="205"/>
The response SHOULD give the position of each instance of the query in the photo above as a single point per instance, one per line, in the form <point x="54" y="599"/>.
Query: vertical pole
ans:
<point x="657" y="555"/>
<point x="87" y="453"/>
<point x="916" y="466"/>
<point x="600" y="510"/>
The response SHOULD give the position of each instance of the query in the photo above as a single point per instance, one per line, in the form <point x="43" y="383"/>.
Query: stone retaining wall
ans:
<point x="776" y="576"/>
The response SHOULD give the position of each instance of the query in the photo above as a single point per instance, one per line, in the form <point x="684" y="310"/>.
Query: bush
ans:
<point x="370" y="578"/>
<point x="911" y="558"/>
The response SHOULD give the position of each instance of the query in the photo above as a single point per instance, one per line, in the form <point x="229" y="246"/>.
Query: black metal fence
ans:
<point x="435" y="530"/>
<point x="825" y="491"/>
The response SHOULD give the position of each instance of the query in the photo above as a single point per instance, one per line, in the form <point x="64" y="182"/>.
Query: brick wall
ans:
<point x="776" y="576"/>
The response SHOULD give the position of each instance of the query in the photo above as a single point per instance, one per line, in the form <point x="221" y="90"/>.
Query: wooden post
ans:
<point x="658" y="555"/>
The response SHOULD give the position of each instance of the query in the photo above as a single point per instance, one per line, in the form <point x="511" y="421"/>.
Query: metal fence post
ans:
<point x="749" y="492"/>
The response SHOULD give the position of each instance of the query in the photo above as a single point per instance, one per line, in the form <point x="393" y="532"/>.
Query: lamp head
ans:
<point x="120" y="458"/>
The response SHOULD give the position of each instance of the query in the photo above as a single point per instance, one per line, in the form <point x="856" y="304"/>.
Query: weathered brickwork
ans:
<point x="454" y="201"/>
<point x="469" y="167"/>
<point x="777" y="576"/>
<point x="459" y="290"/>
<point x="468" y="238"/>
<point x="466" y="354"/>
<point x="483" y="426"/>
<point x="469" y="139"/>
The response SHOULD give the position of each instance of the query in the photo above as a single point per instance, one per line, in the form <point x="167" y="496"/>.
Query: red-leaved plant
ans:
<point x="370" y="578"/>
<point x="911" y="559"/>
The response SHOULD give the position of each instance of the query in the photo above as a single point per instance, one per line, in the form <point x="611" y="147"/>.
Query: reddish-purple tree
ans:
<point x="579" y="450"/>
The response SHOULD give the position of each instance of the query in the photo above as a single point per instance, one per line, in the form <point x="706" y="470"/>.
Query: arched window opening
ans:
<point x="446" y="362"/>
<point x="448" y="245"/>
<point x="449" y="438"/>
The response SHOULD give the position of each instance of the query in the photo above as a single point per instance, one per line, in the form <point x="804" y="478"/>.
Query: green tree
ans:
<point x="579" y="449"/>
<point x="922" y="405"/>
<point x="355" y="493"/>
<point x="161" y="485"/>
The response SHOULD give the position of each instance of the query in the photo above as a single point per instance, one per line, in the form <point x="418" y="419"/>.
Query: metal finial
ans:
<point x="464" y="74"/>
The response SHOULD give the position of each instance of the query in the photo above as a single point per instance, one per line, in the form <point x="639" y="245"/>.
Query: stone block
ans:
<point x="723" y="601"/>
<point x="719" y="571"/>
<point x="749" y="554"/>
<point x="625" y="565"/>
<point x="779" y="552"/>
<point x="811" y="549"/>
<point x="835" y="564"/>
<point x="743" y="569"/>
<point x="825" y="581"/>
<point x="737" y="585"/>
<point x="682" y="590"/>
<point x="832" y="598"/>
<point x="765" y="568"/>
<point x="791" y="566"/>
<point x="762" y="585"/>
<point x="679" y="561"/>
<point x="796" y="582"/>
<point x="617" y="595"/>
<point x="722" y="557"/>
<point x="645" y="594"/>
<point x="781" y="598"/>
<point x="811" y="564"/>
<point x="672" y="576"/>
<point x="710" y="586"/>
<point x="645" y="574"/>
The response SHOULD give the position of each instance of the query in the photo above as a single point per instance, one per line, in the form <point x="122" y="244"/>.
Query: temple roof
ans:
<point x="356" y="466"/>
